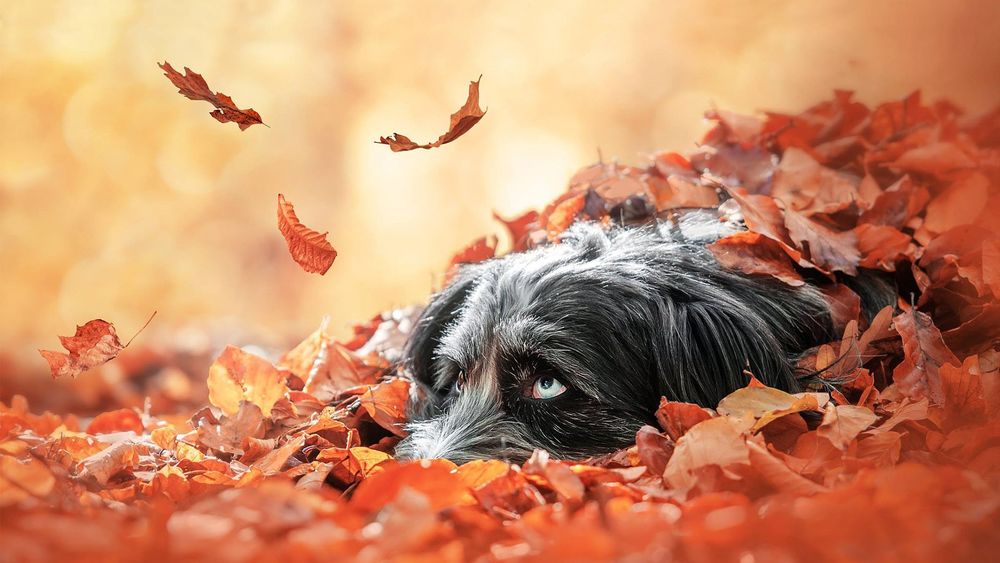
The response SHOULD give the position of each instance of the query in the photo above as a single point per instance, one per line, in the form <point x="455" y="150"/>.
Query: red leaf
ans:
<point x="519" y="228"/>
<point x="461" y="121"/>
<point x="677" y="418"/>
<point x="753" y="253"/>
<point x="807" y="186"/>
<point x="924" y="354"/>
<point x="94" y="343"/>
<point x="479" y="250"/>
<point x="829" y="249"/>
<point x="308" y="248"/>
<point x="194" y="87"/>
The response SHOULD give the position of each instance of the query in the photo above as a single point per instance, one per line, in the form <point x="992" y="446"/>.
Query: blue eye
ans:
<point x="547" y="387"/>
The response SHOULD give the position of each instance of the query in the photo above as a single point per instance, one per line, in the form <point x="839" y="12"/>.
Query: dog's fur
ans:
<point x="621" y="317"/>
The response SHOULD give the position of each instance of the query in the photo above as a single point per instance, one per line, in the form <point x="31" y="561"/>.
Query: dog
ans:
<point x="568" y="347"/>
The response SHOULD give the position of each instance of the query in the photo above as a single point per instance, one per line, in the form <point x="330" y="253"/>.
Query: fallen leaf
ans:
<point x="386" y="404"/>
<point x="308" y="248"/>
<point x="924" y="353"/>
<point x="236" y="376"/>
<point x="753" y="253"/>
<point x="676" y="418"/>
<point x="194" y="87"/>
<point x="842" y="424"/>
<point x="120" y="420"/>
<point x="716" y="441"/>
<point x="461" y="121"/>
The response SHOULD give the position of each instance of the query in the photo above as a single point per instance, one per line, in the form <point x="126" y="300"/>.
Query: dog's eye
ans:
<point x="547" y="387"/>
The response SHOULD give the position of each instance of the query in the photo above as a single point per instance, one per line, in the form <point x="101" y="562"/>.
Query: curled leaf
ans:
<point x="308" y="248"/>
<point x="461" y="121"/>
<point x="193" y="86"/>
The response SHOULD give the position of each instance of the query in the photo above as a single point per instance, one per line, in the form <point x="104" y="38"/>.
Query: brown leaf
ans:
<point x="94" y="343"/>
<point x="194" y="87"/>
<point x="829" y="249"/>
<point x="809" y="187"/>
<point x="924" y="354"/>
<point x="461" y="121"/>
<point x="753" y="253"/>
<point x="881" y="246"/>
<point x="308" y="248"/>
<point x="896" y="205"/>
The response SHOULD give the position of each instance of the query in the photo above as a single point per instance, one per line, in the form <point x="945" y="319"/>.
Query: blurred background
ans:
<point x="119" y="197"/>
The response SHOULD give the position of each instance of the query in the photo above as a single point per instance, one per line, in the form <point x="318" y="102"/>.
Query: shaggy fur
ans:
<point x="621" y="318"/>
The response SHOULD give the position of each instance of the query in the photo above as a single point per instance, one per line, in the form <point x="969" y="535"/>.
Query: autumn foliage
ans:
<point x="900" y="460"/>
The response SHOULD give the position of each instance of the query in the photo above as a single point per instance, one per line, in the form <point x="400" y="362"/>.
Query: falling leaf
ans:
<point x="94" y="343"/>
<point x="461" y="121"/>
<point x="194" y="87"/>
<point x="308" y="248"/>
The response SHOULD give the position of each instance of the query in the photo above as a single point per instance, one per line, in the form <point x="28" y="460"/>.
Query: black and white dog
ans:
<point x="569" y="347"/>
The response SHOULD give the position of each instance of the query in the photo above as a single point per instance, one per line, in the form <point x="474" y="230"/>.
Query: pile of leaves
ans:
<point x="292" y="458"/>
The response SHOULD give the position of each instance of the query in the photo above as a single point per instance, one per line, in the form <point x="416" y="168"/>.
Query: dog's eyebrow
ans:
<point x="522" y="339"/>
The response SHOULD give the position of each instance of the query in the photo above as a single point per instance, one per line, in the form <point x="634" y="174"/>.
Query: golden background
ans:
<point x="119" y="197"/>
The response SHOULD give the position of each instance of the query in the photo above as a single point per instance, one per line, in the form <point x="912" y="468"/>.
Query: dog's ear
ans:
<point x="705" y="349"/>
<point x="435" y="318"/>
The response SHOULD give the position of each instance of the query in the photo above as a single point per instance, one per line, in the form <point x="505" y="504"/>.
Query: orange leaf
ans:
<point x="94" y="343"/>
<point x="116" y="421"/>
<point x="194" y="87"/>
<point x="237" y="375"/>
<point x="386" y="404"/>
<point x="677" y="418"/>
<point x="308" y="248"/>
<point x="479" y="250"/>
<point x="433" y="478"/>
<point x="461" y="121"/>
<point x="842" y="423"/>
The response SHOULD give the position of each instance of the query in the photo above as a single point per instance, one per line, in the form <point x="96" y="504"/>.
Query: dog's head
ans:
<point x="569" y="347"/>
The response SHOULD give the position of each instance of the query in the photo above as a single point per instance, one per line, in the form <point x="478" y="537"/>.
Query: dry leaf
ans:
<point x="194" y="87"/>
<point x="461" y="121"/>
<point x="308" y="248"/>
